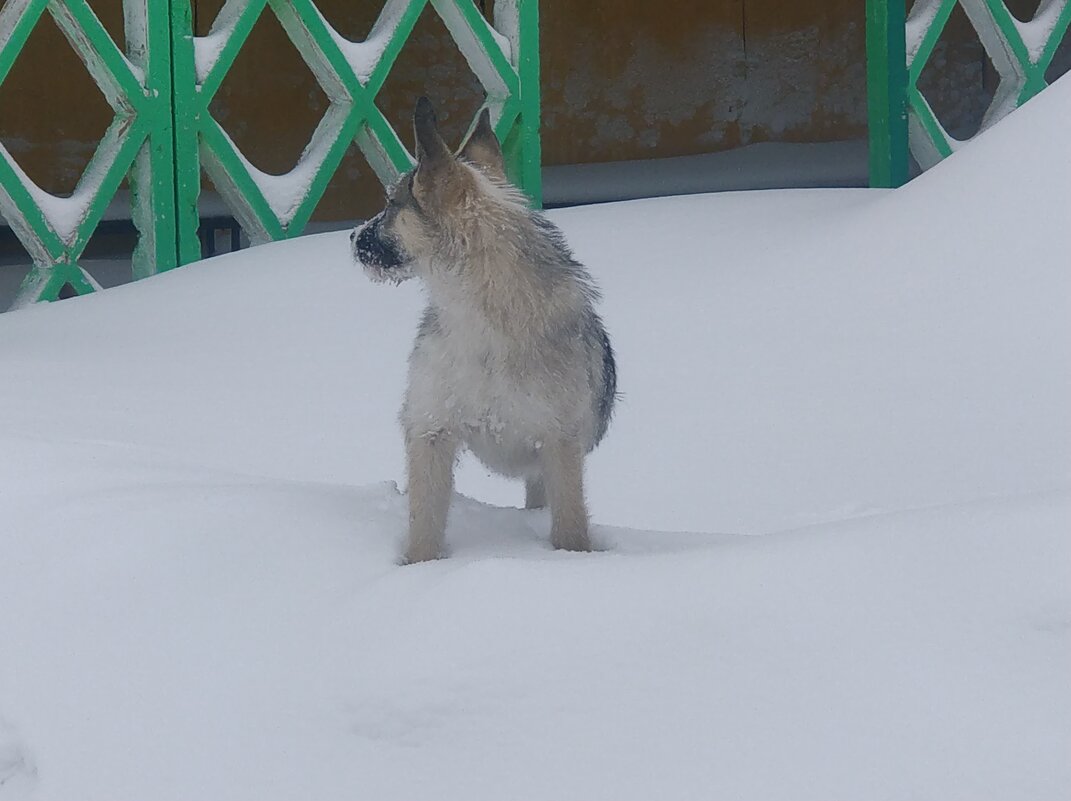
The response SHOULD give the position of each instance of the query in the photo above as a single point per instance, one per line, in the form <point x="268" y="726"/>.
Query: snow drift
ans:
<point x="199" y="526"/>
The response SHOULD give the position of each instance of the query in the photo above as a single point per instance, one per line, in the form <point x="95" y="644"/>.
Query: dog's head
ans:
<point x="424" y="207"/>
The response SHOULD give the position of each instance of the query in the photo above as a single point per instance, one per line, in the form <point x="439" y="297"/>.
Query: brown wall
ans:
<point x="635" y="79"/>
<point x="622" y="79"/>
<point x="51" y="112"/>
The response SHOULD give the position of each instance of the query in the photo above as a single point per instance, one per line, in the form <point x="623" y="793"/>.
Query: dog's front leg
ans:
<point x="563" y="477"/>
<point x="430" y="459"/>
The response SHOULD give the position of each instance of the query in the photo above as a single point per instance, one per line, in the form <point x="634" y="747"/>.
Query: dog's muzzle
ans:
<point x="378" y="253"/>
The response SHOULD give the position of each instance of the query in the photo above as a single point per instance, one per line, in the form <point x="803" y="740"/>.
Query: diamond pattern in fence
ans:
<point x="351" y="75"/>
<point x="163" y="132"/>
<point x="54" y="230"/>
<point x="1019" y="50"/>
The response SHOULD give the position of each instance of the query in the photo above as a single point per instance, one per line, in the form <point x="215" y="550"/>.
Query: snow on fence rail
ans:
<point x="163" y="132"/>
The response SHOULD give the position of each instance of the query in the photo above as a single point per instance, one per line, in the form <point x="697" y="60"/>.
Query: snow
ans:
<point x="919" y="21"/>
<point x="284" y="193"/>
<point x="500" y="39"/>
<point x="834" y="513"/>
<point x="64" y="214"/>
<point x="1038" y="31"/>
<point x="364" y="56"/>
<point x="765" y="165"/>
<point x="207" y="49"/>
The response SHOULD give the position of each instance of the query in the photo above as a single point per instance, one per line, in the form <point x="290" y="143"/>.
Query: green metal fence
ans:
<point x="138" y="144"/>
<point x="898" y="48"/>
<point x="163" y="133"/>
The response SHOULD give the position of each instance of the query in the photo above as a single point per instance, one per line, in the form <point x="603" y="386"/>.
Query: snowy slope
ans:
<point x="191" y="636"/>
<point x="199" y="526"/>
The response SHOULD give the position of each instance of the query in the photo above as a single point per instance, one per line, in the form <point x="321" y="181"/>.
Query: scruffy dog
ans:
<point x="510" y="360"/>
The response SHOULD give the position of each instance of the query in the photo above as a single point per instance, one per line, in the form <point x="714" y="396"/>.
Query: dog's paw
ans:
<point x="571" y="542"/>
<point x="414" y="556"/>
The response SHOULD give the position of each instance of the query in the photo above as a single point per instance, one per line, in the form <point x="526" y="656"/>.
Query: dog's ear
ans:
<point x="430" y="147"/>
<point x="482" y="147"/>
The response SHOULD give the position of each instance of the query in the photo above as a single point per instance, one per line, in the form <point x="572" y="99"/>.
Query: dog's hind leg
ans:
<point x="535" y="494"/>
<point x="430" y="459"/>
<point x="563" y="474"/>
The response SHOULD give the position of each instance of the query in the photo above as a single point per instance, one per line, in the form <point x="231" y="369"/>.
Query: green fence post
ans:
<point x="886" y="61"/>
<point x="185" y="120"/>
<point x="147" y="27"/>
<point x="519" y="22"/>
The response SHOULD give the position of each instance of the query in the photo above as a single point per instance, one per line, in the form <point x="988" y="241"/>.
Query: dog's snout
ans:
<point x="374" y="249"/>
<point x="367" y="237"/>
<point x="353" y="236"/>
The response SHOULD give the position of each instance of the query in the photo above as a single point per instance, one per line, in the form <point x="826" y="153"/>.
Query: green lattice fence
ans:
<point x="899" y="47"/>
<point x="163" y="132"/>
<point x="138" y="143"/>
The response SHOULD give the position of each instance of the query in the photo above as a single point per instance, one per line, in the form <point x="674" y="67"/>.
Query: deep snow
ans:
<point x="857" y="401"/>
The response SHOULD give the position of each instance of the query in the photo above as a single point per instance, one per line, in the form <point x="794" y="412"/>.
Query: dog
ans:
<point x="510" y="361"/>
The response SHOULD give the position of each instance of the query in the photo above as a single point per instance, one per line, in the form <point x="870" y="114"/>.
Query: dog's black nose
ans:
<point x="353" y="235"/>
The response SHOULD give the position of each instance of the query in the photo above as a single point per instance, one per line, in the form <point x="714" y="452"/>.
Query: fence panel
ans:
<point x="1020" y="51"/>
<point x="163" y="133"/>
<point x="138" y="143"/>
<point x="351" y="74"/>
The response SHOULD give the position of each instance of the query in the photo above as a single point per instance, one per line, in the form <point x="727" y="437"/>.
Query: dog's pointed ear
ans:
<point x="430" y="147"/>
<point x="482" y="147"/>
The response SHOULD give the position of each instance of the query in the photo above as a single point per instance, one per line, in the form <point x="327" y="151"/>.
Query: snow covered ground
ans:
<point x="835" y="509"/>
<point x="766" y="165"/>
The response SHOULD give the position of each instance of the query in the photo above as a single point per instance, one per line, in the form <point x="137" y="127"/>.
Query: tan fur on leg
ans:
<point x="430" y="460"/>
<point x="563" y="474"/>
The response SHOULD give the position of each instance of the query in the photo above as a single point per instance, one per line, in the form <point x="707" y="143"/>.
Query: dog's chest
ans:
<point x="483" y="382"/>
